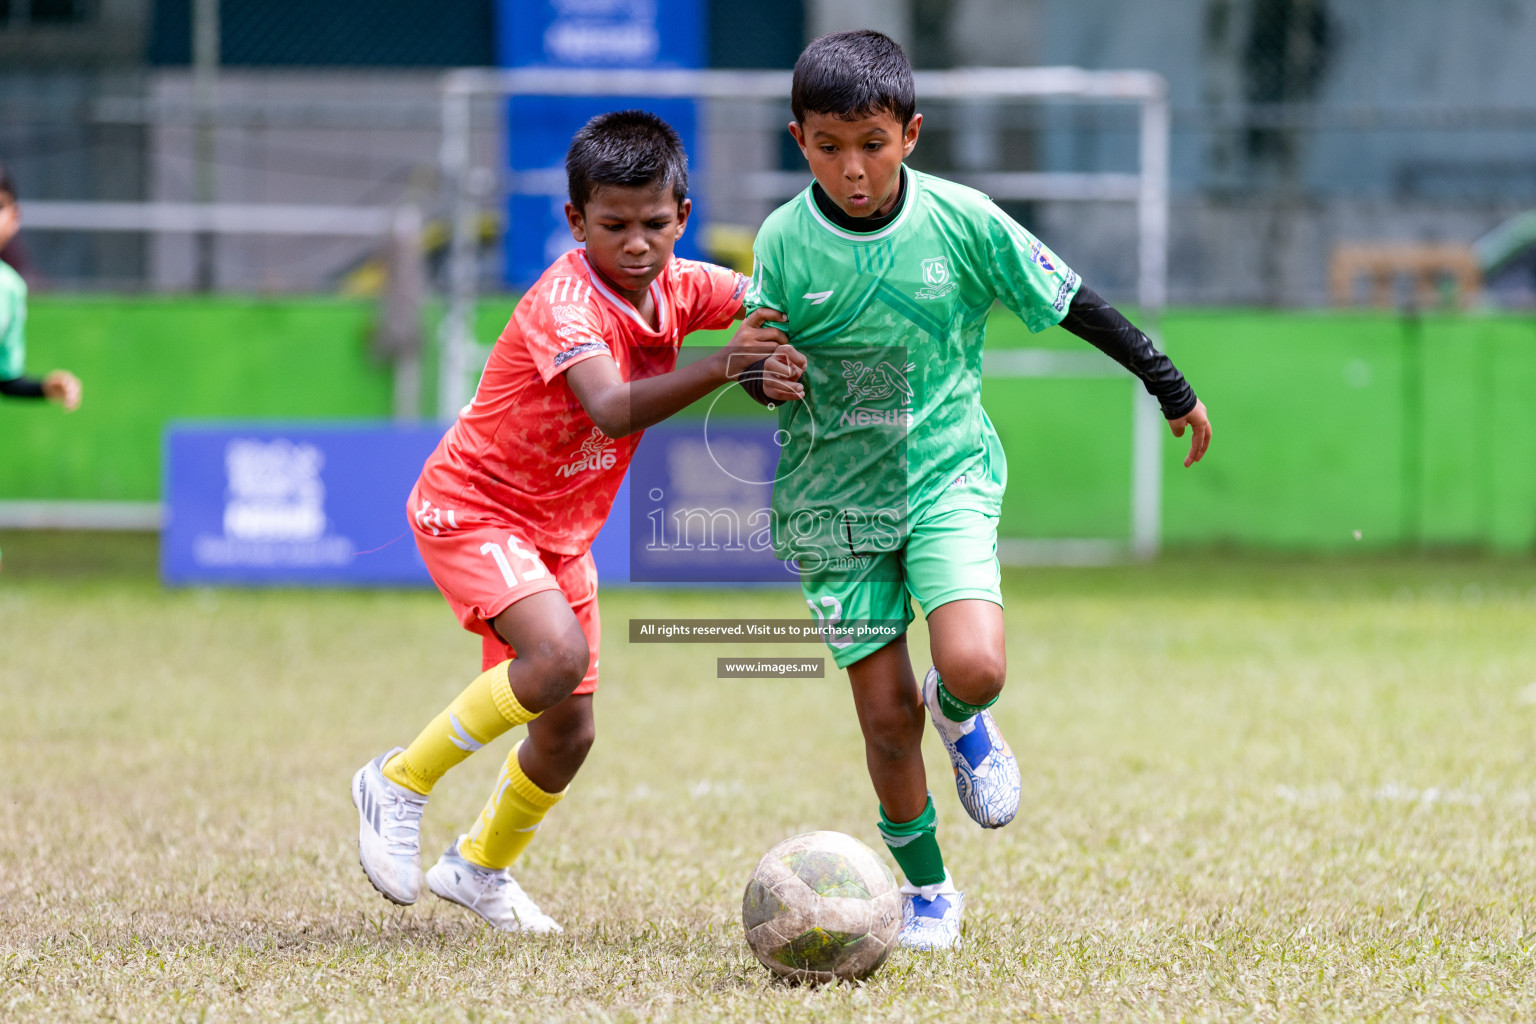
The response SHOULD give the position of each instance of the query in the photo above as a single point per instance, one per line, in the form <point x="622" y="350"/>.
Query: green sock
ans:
<point x="915" y="847"/>
<point x="957" y="710"/>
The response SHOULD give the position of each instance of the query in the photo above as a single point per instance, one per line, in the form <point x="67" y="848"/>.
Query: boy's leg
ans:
<point x="473" y="872"/>
<point x="486" y="572"/>
<point x="551" y="661"/>
<point x="951" y="559"/>
<point x="390" y="792"/>
<point x="866" y="590"/>
<point x="891" y="713"/>
<point x="532" y="781"/>
<point x="966" y="638"/>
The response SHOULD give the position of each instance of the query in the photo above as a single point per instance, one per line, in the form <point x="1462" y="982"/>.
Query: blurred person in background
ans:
<point x="58" y="386"/>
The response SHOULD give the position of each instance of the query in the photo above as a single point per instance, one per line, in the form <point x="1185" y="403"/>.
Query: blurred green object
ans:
<point x="1336" y="431"/>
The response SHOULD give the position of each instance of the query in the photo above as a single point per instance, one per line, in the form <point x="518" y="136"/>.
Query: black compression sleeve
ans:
<point x="22" y="387"/>
<point x="751" y="381"/>
<point x="1106" y="329"/>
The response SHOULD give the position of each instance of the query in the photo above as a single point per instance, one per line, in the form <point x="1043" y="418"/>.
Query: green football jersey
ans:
<point x="892" y="324"/>
<point x="13" y="323"/>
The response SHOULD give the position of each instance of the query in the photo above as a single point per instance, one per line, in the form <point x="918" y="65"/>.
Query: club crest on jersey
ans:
<point x="594" y="454"/>
<point x="936" y="279"/>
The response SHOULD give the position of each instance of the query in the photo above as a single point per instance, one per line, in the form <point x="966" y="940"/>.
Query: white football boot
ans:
<point x="388" y="831"/>
<point x="491" y="893"/>
<point x="986" y="772"/>
<point x="930" y="916"/>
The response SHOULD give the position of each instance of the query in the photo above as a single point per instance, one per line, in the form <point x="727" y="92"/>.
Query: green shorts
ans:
<point x="949" y="556"/>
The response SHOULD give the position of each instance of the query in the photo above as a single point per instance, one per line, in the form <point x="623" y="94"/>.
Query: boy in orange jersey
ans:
<point x="506" y="508"/>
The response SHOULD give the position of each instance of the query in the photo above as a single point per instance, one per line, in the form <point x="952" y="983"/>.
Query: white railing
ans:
<point x="216" y="218"/>
<point x="402" y="225"/>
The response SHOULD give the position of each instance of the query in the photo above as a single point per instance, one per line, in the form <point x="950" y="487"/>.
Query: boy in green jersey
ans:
<point x="60" y="386"/>
<point x="891" y="476"/>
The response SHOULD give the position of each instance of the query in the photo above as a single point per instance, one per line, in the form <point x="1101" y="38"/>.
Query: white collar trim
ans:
<point x="623" y="306"/>
<point x="873" y="236"/>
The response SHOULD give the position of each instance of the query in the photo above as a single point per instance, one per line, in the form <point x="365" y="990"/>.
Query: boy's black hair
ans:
<point x="629" y="148"/>
<point x="7" y="183"/>
<point x="851" y="75"/>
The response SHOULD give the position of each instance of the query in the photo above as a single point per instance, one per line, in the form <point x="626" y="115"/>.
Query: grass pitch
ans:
<point x="1255" y="790"/>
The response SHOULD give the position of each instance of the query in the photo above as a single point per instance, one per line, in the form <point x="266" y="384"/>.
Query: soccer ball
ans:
<point x="821" y="907"/>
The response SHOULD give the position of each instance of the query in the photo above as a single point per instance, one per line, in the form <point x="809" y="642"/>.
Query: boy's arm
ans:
<point x="771" y="380"/>
<point x="1106" y="329"/>
<point x="775" y="379"/>
<point x="13" y="381"/>
<point x="619" y="407"/>
<point x="21" y="387"/>
<point x="60" y="387"/>
<point x="1042" y="290"/>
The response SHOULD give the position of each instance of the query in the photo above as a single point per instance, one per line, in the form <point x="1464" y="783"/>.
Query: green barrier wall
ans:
<point x="1408" y="431"/>
<point x="145" y="362"/>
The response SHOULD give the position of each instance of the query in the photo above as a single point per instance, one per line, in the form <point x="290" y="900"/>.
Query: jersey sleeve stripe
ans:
<point x="575" y="351"/>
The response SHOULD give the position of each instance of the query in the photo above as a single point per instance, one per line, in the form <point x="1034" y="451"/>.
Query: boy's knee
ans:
<point x="555" y="667"/>
<point x="974" y="675"/>
<point x="566" y="662"/>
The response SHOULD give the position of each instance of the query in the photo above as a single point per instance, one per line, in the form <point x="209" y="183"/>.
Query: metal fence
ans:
<point x="1300" y="128"/>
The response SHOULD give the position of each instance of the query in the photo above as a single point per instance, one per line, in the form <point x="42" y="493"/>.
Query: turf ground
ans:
<point x="1255" y="790"/>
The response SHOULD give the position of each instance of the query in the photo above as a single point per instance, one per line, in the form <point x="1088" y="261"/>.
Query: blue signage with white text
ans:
<point x="600" y="33"/>
<point x="325" y="505"/>
<point x="298" y="504"/>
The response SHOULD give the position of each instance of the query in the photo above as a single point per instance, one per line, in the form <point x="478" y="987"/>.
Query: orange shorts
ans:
<point x="483" y="567"/>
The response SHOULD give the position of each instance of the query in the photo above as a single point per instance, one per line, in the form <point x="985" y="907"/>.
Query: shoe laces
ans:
<point x="932" y="891"/>
<point x="401" y="822"/>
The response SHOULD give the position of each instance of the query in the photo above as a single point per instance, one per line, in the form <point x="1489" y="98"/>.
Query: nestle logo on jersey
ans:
<point x="936" y="278"/>
<point x="877" y="384"/>
<point x="594" y="455"/>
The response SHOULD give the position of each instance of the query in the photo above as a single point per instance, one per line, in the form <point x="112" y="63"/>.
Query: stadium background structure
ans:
<point x="1373" y="455"/>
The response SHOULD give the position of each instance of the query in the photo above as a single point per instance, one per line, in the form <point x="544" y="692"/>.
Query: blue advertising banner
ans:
<point x="269" y="504"/>
<point x="584" y="34"/>
<point x="600" y="33"/>
<point x="301" y="504"/>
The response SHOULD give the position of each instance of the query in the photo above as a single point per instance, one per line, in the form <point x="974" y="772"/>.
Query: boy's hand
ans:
<point x="1200" y="440"/>
<point x="62" y="388"/>
<point x="782" y="373"/>
<point x="754" y="339"/>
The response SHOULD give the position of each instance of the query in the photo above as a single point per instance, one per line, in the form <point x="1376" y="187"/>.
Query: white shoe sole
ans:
<point x="926" y="947"/>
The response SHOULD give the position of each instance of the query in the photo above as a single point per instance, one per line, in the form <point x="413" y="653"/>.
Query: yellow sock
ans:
<point x="486" y="709"/>
<point x="510" y="818"/>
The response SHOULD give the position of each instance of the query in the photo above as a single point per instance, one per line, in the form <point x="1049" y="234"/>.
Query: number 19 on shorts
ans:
<point x="532" y="567"/>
